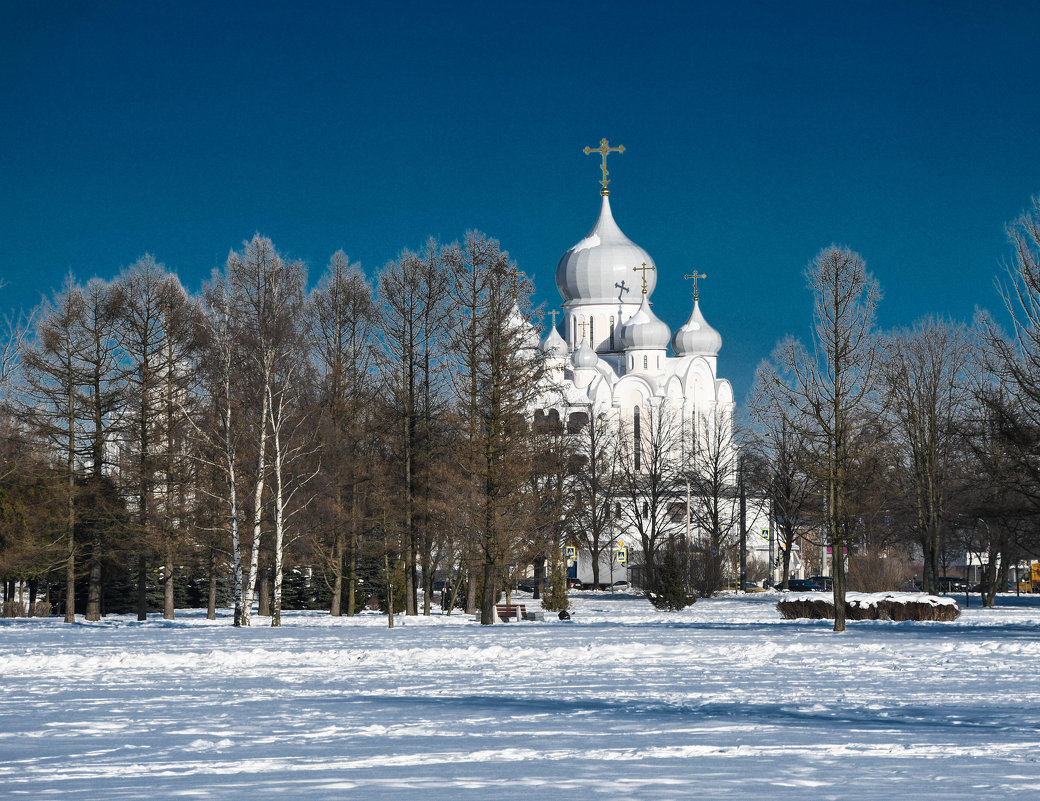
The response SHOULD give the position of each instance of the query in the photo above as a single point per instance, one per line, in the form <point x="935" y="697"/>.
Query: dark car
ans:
<point x="801" y="585"/>
<point x="824" y="581"/>
<point x="574" y="584"/>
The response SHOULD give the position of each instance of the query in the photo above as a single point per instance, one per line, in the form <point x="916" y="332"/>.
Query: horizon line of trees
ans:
<point x="262" y="442"/>
<point x="922" y="442"/>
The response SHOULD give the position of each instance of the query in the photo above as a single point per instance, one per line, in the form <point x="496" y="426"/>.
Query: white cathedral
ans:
<point x="613" y="357"/>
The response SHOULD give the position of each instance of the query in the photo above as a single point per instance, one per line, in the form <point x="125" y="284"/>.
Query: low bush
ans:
<point x="887" y="606"/>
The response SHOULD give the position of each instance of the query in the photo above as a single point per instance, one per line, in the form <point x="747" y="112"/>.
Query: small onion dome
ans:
<point x="644" y="331"/>
<point x="591" y="270"/>
<point x="554" y="345"/>
<point x="584" y="356"/>
<point x="696" y="337"/>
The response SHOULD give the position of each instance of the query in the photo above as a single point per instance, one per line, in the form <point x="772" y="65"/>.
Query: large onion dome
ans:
<point x="696" y="337"/>
<point x="591" y="271"/>
<point x="554" y="346"/>
<point x="644" y="330"/>
<point x="584" y="356"/>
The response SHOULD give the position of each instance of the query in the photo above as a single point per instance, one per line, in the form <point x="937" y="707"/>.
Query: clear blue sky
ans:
<point x="755" y="135"/>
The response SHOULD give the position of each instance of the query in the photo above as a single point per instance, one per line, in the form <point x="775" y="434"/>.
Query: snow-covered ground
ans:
<point x="722" y="701"/>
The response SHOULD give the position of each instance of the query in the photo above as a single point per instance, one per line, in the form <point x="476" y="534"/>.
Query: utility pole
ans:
<point x="743" y="526"/>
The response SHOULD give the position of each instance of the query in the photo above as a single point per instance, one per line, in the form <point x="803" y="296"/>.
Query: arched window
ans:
<point x="637" y="437"/>
<point x="592" y="333"/>
<point x="646" y="510"/>
<point x="644" y="362"/>
<point x="658" y="362"/>
<point x="612" y="332"/>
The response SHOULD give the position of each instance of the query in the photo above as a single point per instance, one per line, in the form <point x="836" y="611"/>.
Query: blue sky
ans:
<point x="755" y="134"/>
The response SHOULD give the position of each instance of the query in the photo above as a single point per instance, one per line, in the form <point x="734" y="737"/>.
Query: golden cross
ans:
<point x="604" y="149"/>
<point x="554" y="313"/>
<point x="582" y="324"/>
<point x="643" y="270"/>
<point x="695" y="276"/>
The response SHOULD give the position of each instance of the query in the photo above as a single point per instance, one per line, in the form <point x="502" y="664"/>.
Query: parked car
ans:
<point x="824" y="581"/>
<point x="574" y="584"/>
<point x="952" y="584"/>
<point x="620" y="586"/>
<point x="801" y="585"/>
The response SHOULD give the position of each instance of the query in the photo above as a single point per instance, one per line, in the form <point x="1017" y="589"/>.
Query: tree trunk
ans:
<point x="94" y="584"/>
<point x="539" y="576"/>
<point x="353" y="556"/>
<point x="471" y="591"/>
<point x="338" y="557"/>
<point x="263" y="604"/>
<point x="211" y="605"/>
<point x="142" y="586"/>
<point x="168" y="612"/>
<point x="487" y="600"/>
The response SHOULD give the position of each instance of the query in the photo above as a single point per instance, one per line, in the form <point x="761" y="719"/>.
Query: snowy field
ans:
<point x="722" y="701"/>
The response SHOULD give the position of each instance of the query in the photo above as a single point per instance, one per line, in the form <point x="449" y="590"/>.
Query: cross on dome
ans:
<point x="604" y="148"/>
<point x="643" y="270"/>
<point x="695" y="276"/>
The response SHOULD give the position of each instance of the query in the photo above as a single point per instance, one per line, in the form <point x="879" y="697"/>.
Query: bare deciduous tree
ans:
<point x="832" y="388"/>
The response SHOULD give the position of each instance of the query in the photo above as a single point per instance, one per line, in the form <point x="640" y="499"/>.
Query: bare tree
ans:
<point x="56" y="375"/>
<point x="158" y="323"/>
<point x="102" y="406"/>
<point x="594" y="486"/>
<point x="711" y="474"/>
<point x="344" y="321"/>
<point x="789" y="485"/>
<point x="1011" y="396"/>
<point x="652" y="484"/>
<point x="927" y="390"/>
<point x="832" y="388"/>
<point x="497" y="382"/>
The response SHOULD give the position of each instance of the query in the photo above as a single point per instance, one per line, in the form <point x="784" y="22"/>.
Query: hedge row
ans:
<point x="879" y="609"/>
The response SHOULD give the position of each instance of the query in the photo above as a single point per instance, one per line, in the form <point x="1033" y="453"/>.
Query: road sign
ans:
<point x="621" y="555"/>
<point x="572" y="552"/>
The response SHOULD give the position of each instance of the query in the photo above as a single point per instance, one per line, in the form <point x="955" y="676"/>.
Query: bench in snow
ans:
<point x="516" y="612"/>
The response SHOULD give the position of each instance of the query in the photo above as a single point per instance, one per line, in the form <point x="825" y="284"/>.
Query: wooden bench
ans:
<point x="511" y="611"/>
<point x="516" y="612"/>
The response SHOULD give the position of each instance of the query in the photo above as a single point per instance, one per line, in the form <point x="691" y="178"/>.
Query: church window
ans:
<point x="658" y="362"/>
<point x="644" y="362"/>
<point x="617" y="510"/>
<point x="646" y="510"/>
<point x="592" y="333"/>
<point x="612" y="332"/>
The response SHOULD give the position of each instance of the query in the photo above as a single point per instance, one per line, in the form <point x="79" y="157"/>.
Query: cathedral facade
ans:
<point x="613" y="358"/>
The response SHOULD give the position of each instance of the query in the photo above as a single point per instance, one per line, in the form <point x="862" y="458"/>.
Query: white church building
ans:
<point x="613" y="358"/>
